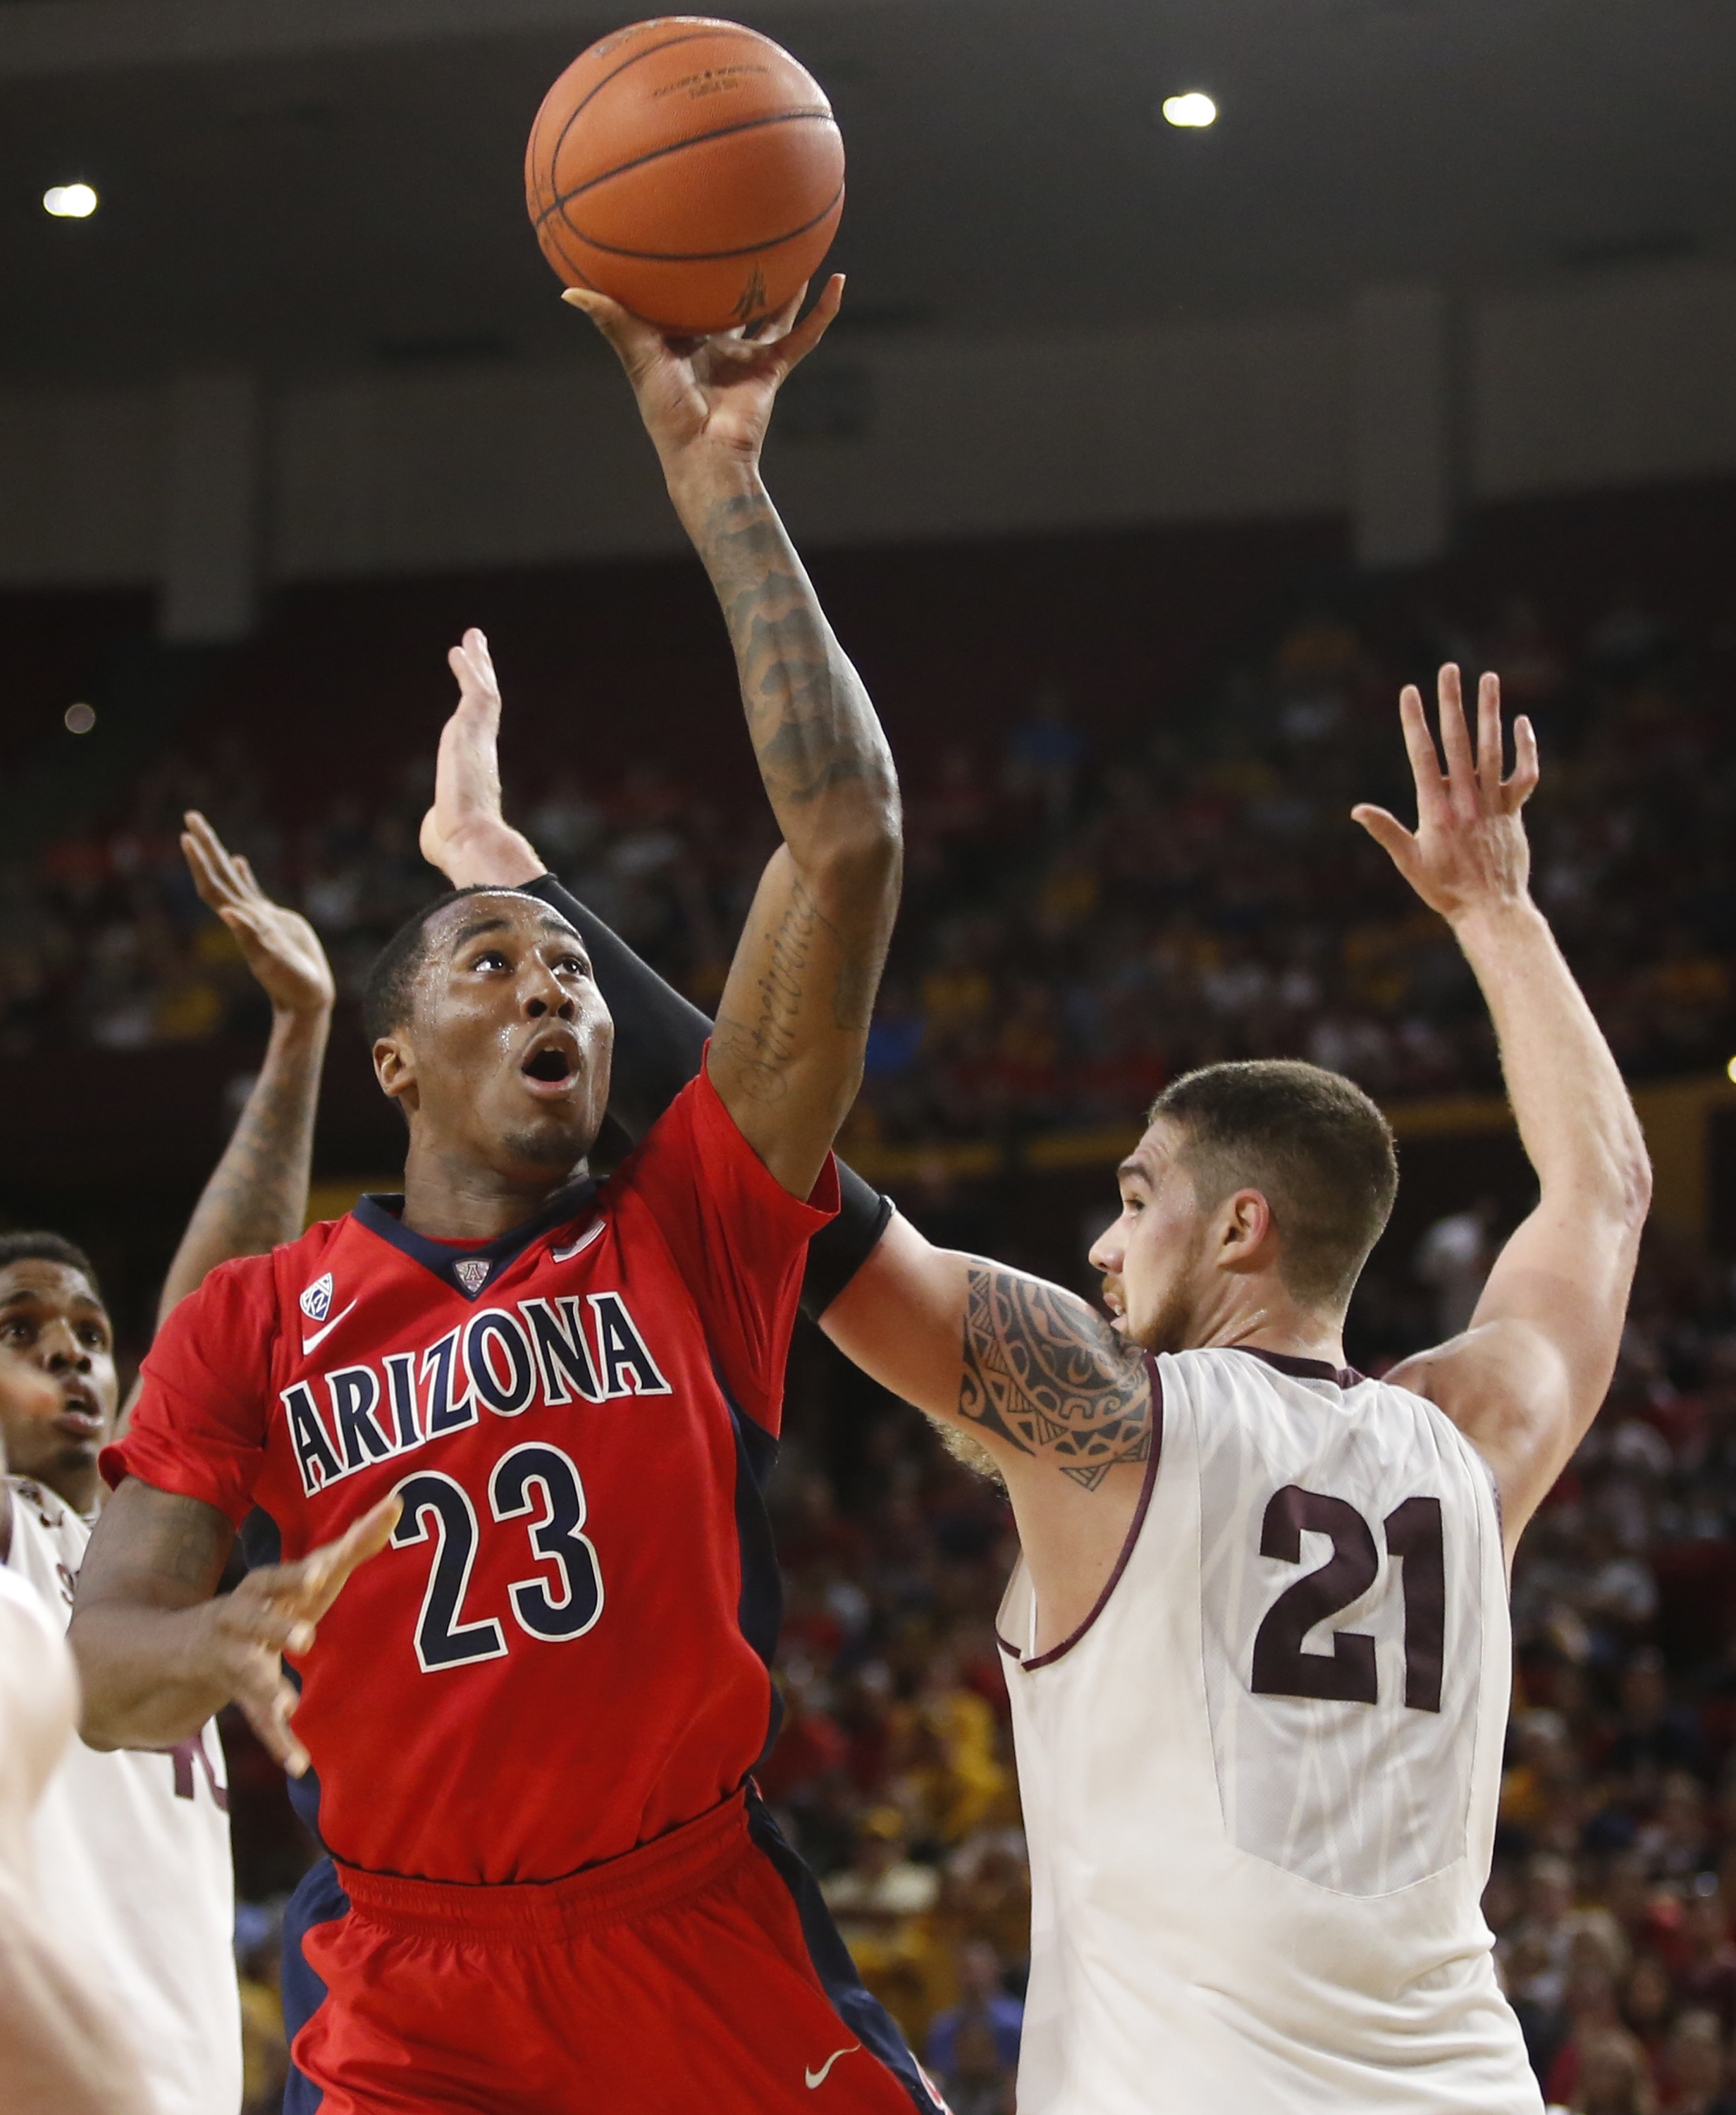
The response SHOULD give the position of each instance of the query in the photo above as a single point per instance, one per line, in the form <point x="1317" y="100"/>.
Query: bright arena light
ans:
<point x="70" y="201"/>
<point x="80" y="720"/>
<point x="1730" y="1071"/>
<point x="1191" y="109"/>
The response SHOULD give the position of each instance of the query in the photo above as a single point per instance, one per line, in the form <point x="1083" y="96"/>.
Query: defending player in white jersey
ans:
<point x="132" y="1848"/>
<point x="1257" y="1642"/>
<point x="60" y="2052"/>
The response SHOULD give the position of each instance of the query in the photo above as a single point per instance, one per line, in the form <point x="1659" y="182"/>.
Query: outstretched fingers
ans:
<point x="324" y="1572"/>
<point x="1425" y="761"/>
<point x="779" y="343"/>
<point x="800" y="341"/>
<point x="1388" y="832"/>
<point x="1489" y="745"/>
<point x="268" y="1701"/>
<point x="1455" y="736"/>
<point x="479" y="686"/>
<point x="1519" y="788"/>
<point x="636" y="342"/>
<point x="216" y="875"/>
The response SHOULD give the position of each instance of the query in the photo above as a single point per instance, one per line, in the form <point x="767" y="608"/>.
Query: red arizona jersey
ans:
<point x="563" y="1653"/>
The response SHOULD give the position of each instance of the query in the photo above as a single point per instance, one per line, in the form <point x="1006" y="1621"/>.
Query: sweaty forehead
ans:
<point x="35" y="1281"/>
<point x="504" y="912"/>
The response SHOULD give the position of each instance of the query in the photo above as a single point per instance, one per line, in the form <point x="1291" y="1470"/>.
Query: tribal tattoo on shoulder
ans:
<point x="1048" y="1376"/>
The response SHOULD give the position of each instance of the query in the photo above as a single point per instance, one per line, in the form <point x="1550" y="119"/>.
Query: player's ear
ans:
<point x="395" y="1068"/>
<point x="1248" y="1233"/>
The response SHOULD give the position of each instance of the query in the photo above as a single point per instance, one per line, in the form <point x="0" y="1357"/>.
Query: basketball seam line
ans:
<point x="689" y="37"/>
<point x="547" y="236"/>
<point x="565" y="199"/>
<point x="703" y="256"/>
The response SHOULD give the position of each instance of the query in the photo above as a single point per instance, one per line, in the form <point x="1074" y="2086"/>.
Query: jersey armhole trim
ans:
<point x="1067" y="1644"/>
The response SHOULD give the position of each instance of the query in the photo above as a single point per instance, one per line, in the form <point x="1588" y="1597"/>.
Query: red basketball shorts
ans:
<point x="699" y="1973"/>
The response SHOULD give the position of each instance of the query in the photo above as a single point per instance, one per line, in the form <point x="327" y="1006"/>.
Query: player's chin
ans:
<point x="552" y="1140"/>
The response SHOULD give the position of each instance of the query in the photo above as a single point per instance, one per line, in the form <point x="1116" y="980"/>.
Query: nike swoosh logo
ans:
<point x="817" y="2078"/>
<point x="313" y="1343"/>
<point x="584" y="1242"/>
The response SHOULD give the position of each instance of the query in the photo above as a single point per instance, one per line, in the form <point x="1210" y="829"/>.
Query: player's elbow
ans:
<point x="94" y="1726"/>
<point x="1630" y="1178"/>
<point x="1619" y="1193"/>
<point x="859" y="861"/>
<point x="1639" y="1185"/>
<point x="866" y="831"/>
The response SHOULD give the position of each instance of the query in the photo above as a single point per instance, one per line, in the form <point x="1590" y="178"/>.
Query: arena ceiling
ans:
<point x="310" y="185"/>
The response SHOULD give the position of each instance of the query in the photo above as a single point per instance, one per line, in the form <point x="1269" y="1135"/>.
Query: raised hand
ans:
<point x="280" y="947"/>
<point x="275" y="1610"/>
<point x="713" y="396"/>
<point x="464" y="833"/>
<point x="1469" y="851"/>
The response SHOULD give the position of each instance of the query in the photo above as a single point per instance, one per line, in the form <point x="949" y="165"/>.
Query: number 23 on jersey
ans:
<point x="536" y="1484"/>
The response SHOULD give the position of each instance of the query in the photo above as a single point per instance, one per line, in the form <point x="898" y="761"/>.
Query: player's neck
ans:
<point x="1259" y="1314"/>
<point x="451" y="1201"/>
<point x="80" y="1488"/>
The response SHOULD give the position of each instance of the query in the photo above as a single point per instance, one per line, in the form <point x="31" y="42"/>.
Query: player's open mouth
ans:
<point x="551" y="1066"/>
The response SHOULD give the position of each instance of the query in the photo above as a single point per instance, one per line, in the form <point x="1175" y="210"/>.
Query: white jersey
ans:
<point x="38" y="1700"/>
<point x="1260" y="1781"/>
<point x="133" y="1864"/>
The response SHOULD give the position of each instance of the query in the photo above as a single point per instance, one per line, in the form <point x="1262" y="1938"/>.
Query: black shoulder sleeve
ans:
<point x="659" y="1045"/>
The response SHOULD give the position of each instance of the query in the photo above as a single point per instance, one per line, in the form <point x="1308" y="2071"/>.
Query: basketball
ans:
<point x="690" y="169"/>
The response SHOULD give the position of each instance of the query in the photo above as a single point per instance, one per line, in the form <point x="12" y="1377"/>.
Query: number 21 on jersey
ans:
<point x="1347" y="1674"/>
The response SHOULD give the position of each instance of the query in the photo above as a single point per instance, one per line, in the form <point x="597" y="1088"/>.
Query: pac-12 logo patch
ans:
<point x="316" y="1302"/>
<point x="472" y="1272"/>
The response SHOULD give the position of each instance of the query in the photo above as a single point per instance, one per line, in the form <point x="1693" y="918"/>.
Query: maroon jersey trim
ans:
<point x="1304" y="1369"/>
<point x="1067" y="1644"/>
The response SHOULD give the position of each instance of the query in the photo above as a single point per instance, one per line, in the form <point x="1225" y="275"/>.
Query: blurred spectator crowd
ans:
<point x="1083" y="918"/>
<point x="1615" y="1878"/>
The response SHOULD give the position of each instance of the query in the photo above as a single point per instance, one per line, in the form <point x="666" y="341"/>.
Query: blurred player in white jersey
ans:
<point x="60" y="2053"/>
<point x="1257" y="1642"/>
<point x="132" y="1848"/>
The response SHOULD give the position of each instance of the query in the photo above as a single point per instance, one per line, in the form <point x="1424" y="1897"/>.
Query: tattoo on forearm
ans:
<point x="766" y="1043"/>
<point x="814" y="734"/>
<point x="1045" y="1374"/>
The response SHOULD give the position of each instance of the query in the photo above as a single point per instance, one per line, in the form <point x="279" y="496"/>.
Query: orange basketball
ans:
<point x="690" y="169"/>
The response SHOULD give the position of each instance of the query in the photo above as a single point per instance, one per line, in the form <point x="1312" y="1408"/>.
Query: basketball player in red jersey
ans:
<point x="525" y="1728"/>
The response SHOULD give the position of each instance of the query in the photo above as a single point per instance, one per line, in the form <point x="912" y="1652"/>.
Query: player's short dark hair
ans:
<point x="41" y="1246"/>
<point x="1312" y="1143"/>
<point x="391" y="982"/>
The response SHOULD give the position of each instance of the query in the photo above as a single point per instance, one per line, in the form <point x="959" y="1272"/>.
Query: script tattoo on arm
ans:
<point x="1047" y="1376"/>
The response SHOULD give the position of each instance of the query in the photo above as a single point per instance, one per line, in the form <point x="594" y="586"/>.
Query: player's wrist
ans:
<point x="494" y="855"/>
<point x="702" y="477"/>
<point x="1494" y="929"/>
<point x="304" y="1019"/>
<point x="1493" y="917"/>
